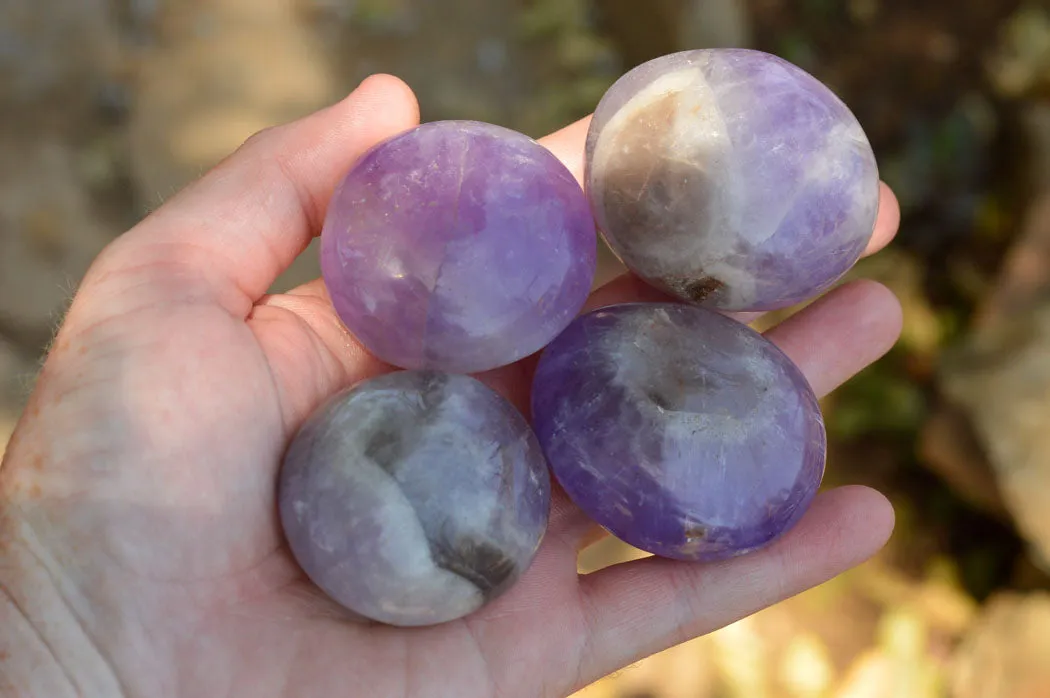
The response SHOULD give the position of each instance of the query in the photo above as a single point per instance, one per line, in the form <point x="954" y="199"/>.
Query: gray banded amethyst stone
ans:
<point x="458" y="246"/>
<point x="731" y="178"/>
<point x="415" y="498"/>
<point x="681" y="431"/>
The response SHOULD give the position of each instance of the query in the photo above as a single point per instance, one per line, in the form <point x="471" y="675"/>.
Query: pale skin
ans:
<point x="140" y="553"/>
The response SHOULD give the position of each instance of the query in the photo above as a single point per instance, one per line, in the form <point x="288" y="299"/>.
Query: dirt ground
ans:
<point x="110" y="106"/>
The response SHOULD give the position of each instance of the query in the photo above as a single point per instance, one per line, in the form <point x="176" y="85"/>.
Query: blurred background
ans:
<point x="110" y="106"/>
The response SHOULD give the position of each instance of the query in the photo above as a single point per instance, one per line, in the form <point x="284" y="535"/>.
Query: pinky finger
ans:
<point x="638" y="608"/>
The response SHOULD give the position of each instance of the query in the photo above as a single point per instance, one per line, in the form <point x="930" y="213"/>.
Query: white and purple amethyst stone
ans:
<point x="458" y="246"/>
<point x="731" y="178"/>
<point x="414" y="498"/>
<point x="681" y="431"/>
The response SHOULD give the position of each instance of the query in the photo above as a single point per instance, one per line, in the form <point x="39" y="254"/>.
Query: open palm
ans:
<point x="140" y="553"/>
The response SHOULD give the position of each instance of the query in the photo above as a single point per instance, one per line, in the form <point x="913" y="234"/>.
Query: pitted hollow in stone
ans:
<point x="681" y="431"/>
<point x="415" y="498"/>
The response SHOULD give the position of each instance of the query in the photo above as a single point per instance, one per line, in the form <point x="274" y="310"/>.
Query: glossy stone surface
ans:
<point x="458" y="246"/>
<point x="415" y="498"/>
<point x="731" y="178"/>
<point x="681" y="431"/>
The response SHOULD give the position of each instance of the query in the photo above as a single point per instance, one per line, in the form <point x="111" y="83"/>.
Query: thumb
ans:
<point x="229" y="235"/>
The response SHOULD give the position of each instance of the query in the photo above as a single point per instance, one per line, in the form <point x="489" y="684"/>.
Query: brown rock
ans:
<point x="1001" y="376"/>
<point x="1005" y="654"/>
<point x="1002" y="379"/>
<point x="949" y="447"/>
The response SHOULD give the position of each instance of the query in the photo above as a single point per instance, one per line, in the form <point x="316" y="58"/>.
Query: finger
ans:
<point x="568" y="524"/>
<point x="638" y="608"/>
<point x="311" y="353"/>
<point x="230" y="234"/>
<point x="888" y="221"/>
<point x="840" y="334"/>
<point x="626" y="288"/>
<point x="568" y="144"/>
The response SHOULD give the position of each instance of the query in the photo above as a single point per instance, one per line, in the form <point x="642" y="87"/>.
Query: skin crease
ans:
<point x="139" y="548"/>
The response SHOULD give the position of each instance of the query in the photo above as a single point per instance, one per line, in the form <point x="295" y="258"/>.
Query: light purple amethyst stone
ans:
<point x="731" y="178"/>
<point x="681" y="431"/>
<point x="415" y="498"/>
<point x="458" y="246"/>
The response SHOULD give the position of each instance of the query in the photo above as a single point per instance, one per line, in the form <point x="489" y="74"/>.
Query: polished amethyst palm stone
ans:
<point x="731" y="178"/>
<point x="415" y="498"/>
<point x="458" y="246"/>
<point x="681" y="431"/>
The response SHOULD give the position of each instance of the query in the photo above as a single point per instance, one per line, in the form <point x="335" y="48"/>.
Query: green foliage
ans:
<point x="543" y="19"/>
<point x="576" y="64"/>
<point x="797" y="49"/>
<point x="881" y="399"/>
<point x="377" y="12"/>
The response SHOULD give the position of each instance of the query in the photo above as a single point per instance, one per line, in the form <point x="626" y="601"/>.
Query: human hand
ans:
<point x="140" y="552"/>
